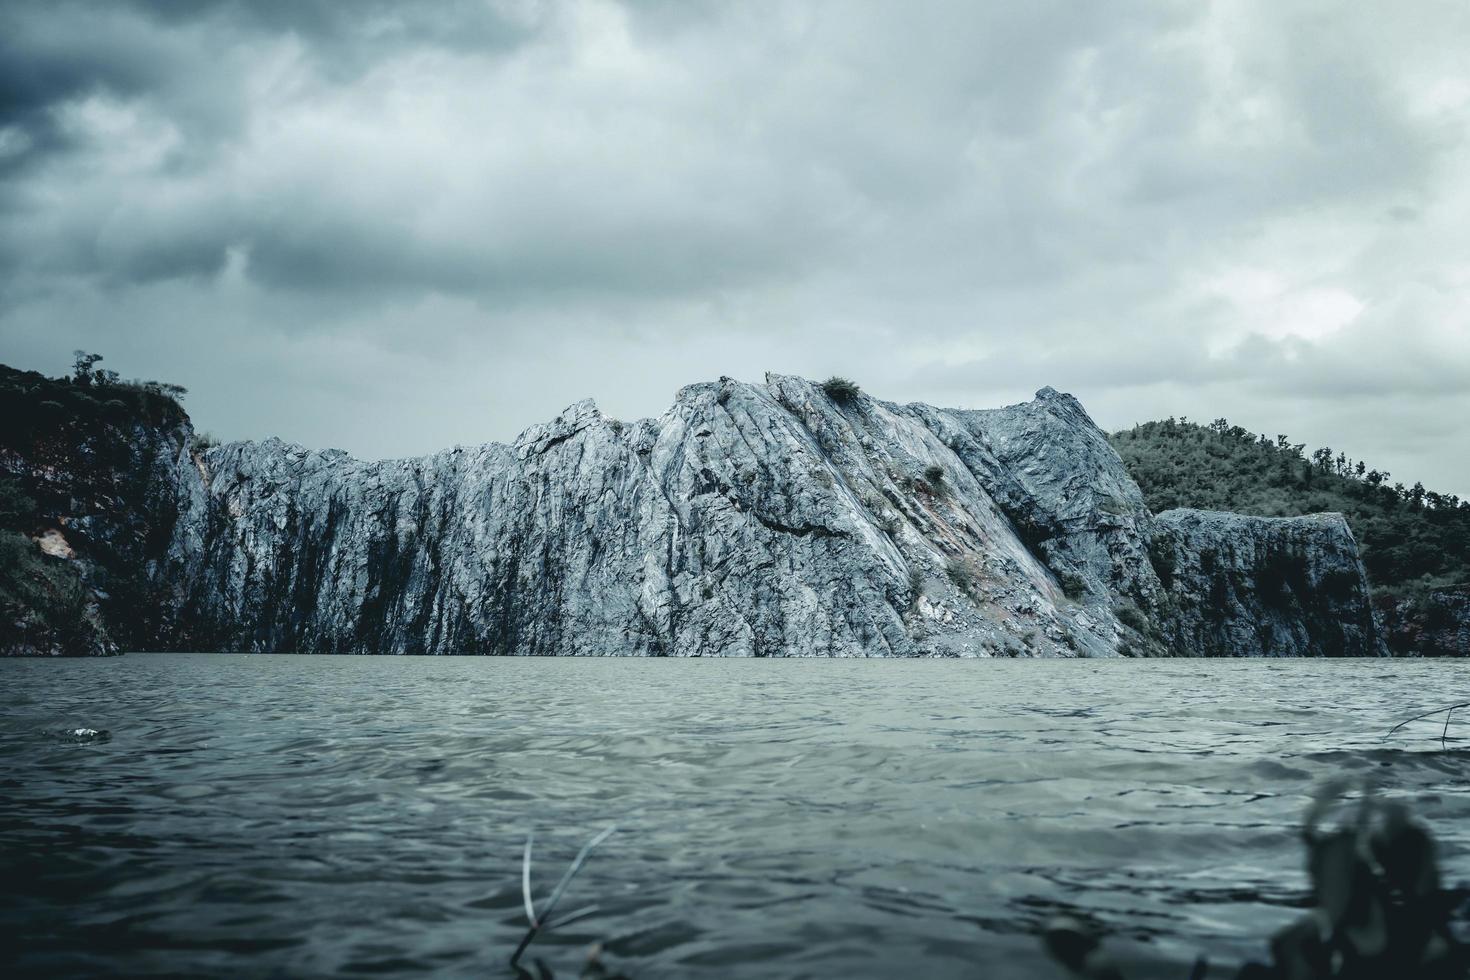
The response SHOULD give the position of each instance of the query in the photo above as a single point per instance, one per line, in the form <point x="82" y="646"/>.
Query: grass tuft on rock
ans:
<point x="962" y="576"/>
<point x="841" y="390"/>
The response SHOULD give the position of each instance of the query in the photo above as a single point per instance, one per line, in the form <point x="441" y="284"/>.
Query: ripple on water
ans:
<point x="76" y="736"/>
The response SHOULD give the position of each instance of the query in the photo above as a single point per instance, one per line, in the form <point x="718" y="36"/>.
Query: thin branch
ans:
<point x="544" y="921"/>
<point x="566" y="879"/>
<point x="1449" y="708"/>
<point x="580" y="913"/>
<point x="515" y="957"/>
<point x="526" y="882"/>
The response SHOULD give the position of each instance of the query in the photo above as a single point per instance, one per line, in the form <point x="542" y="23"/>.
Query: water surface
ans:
<point x="312" y="816"/>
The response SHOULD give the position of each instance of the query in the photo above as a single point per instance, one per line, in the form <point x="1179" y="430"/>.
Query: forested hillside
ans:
<point x="1415" y="542"/>
<point x="78" y="508"/>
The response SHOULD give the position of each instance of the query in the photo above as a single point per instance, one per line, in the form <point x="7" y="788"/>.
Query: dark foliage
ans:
<point x="1072" y="586"/>
<point x="16" y="509"/>
<point x="841" y="390"/>
<point x="43" y="603"/>
<point x="961" y="576"/>
<point x="916" y="587"/>
<point x="1132" y="617"/>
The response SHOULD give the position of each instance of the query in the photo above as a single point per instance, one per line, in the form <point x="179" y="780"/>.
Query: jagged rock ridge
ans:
<point x="748" y="520"/>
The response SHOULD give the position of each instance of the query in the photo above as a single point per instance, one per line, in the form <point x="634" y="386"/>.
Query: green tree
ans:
<point x="82" y="366"/>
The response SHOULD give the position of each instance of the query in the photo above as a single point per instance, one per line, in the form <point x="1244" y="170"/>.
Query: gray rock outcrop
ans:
<point x="1435" y="623"/>
<point x="1263" y="586"/>
<point x="747" y="520"/>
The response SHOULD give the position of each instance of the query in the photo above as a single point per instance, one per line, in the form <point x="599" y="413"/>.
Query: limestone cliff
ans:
<point x="748" y="520"/>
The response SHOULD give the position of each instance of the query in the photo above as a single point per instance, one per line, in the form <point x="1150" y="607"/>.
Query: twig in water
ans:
<point x="543" y="921"/>
<point x="1448" y="709"/>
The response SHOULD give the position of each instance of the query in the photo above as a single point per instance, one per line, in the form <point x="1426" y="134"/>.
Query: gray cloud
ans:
<point x="391" y="226"/>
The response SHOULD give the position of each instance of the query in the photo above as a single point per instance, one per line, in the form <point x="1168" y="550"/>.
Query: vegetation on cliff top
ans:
<point x="841" y="390"/>
<point x="69" y="451"/>
<point x="1413" y="540"/>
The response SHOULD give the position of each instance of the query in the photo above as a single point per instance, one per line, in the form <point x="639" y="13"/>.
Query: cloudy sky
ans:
<point x="392" y="227"/>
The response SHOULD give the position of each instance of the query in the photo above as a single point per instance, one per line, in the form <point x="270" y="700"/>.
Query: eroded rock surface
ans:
<point x="1263" y="586"/>
<point x="1435" y="623"/>
<point x="748" y="520"/>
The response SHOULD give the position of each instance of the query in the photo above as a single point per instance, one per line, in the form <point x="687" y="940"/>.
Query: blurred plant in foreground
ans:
<point x="1379" y="911"/>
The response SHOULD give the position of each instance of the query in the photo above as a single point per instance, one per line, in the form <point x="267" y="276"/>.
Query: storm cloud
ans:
<point x="393" y="227"/>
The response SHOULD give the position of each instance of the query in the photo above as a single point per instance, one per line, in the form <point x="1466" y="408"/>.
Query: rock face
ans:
<point x="1434" y="624"/>
<point x="747" y="520"/>
<point x="1263" y="586"/>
